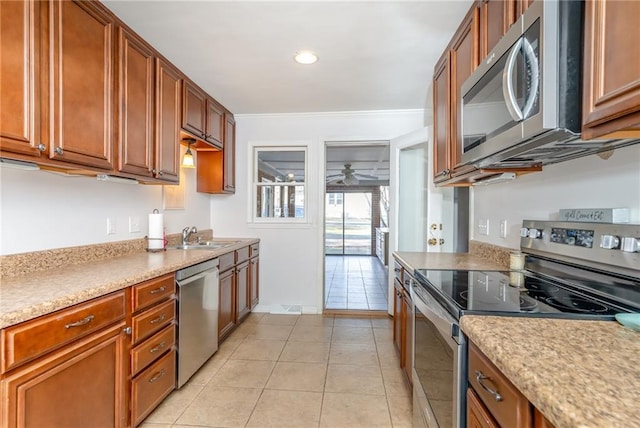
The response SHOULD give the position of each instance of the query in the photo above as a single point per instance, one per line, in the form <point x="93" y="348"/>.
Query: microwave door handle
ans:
<point x="507" y="83"/>
<point x="535" y="78"/>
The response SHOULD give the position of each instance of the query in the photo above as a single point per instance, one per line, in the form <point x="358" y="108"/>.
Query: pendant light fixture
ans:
<point x="187" y="159"/>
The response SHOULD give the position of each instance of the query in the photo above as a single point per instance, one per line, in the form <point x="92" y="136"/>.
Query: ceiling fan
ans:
<point x="349" y="177"/>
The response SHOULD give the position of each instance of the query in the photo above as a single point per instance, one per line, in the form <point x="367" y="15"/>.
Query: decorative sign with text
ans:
<point x="596" y="215"/>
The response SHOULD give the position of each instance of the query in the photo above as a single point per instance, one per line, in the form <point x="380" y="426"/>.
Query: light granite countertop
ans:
<point x="31" y="295"/>
<point x="578" y="373"/>
<point x="464" y="261"/>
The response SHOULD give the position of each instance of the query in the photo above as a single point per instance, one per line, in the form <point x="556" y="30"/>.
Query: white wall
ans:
<point x="291" y="263"/>
<point x="41" y="210"/>
<point x="589" y="182"/>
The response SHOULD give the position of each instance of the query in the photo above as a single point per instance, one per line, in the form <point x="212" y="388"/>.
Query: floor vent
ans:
<point x="286" y="309"/>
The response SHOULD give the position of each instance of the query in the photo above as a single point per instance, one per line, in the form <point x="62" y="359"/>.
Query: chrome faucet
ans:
<point x="187" y="232"/>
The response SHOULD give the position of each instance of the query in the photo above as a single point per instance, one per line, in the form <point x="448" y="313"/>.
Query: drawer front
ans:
<point x="151" y="386"/>
<point x="226" y="261"/>
<point x="397" y="271"/>
<point x="242" y="254"/>
<point x="152" y="320"/>
<point x="31" y="339"/>
<point x="513" y="408"/>
<point x="152" y="348"/>
<point x="150" y="292"/>
<point x="254" y="250"/>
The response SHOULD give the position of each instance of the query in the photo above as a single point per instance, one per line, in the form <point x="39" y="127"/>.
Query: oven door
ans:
<point x="439" y="372"/>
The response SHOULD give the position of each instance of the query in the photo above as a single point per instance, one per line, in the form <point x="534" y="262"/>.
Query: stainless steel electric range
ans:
<point x="571" y="270"/>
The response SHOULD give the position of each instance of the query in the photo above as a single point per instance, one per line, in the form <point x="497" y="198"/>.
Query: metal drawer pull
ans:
<point x="157" y="376"/>
<point x="157" y="290"/>
<point x="480" y="377"/>
<point x="155" y="320"/>
<point x="83" y="321"/>
<point x="158" y="347"/>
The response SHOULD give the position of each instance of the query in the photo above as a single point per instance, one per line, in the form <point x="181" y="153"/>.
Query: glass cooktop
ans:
<point x="514" y="292"/>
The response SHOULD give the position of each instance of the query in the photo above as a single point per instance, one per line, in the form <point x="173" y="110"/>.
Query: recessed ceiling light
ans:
<point x="305" y="57"/>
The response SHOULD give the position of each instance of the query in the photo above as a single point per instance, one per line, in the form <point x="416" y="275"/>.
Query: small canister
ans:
<point x="516" y="260"/>
<point x="516" y="279"/>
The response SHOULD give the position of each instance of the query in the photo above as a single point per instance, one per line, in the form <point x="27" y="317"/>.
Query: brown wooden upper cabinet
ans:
<point x="202" y="116"/>
<point x="495" y="18"/>
<point x="57" y="88"/>
<point x="149" y="111"/>
<point x="611" y="92"/>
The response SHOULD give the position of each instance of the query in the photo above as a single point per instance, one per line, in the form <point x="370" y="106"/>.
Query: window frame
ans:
<point x="257" y="185"/>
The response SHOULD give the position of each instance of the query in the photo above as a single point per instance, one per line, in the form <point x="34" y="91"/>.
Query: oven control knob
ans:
<point x="535" y="233"/>
<point x="630" y="244"/>
<point x="609" y="242"/>
<point x="524" y="232"/>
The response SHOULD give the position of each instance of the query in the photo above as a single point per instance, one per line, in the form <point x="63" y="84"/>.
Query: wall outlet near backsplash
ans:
<point x="483" y="227"/>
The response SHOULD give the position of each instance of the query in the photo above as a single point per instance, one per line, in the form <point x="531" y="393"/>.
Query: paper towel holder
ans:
<point x="148" y="240"/>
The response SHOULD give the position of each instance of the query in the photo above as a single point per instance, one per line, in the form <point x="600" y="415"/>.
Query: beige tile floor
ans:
<point x="295" y="371"/>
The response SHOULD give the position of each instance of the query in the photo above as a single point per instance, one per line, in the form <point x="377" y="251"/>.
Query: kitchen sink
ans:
<point x="206" y="245"/>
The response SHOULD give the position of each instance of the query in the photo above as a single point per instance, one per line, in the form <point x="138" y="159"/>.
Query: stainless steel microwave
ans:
<point x="526" y="96"/>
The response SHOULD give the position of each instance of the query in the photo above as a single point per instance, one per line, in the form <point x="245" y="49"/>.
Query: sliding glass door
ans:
<point x="348" y="228"/>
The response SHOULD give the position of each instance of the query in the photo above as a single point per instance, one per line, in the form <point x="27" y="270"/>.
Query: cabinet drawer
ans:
<point x="150" y="292"/>
<point x="152" y="385"/>
<point x="226" y="261"/>
<point x="397" y="271"/>
<point x="26" y="341"/>
<point x="254" y="250"/>
<point x="242" y="254"/>
<point x="149" y="350"/>
<point x="513" y="409"/>
<point x="152" y="320"/>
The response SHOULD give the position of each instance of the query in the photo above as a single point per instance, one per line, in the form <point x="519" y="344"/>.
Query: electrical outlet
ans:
<point x="111" y="226"/>
<point x="483" y="227"/>
<point x="134" y="224"/>
<point x="503" y="228"/>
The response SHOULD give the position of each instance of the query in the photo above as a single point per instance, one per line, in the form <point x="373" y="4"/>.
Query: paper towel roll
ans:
<point x="156" y="231"/>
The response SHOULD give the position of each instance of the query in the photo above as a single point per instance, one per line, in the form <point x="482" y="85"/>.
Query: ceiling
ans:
<point x="375" y="55"/>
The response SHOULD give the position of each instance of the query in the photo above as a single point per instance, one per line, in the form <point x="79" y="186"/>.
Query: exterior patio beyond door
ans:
<point x="348" y="228"/>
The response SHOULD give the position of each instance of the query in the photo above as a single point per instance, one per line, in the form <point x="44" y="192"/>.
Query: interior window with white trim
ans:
<point x="280" y="176"/>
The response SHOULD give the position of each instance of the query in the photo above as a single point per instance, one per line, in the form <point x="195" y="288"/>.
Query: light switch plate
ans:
<point x="503" y="228"/>
<point x="134" y="224"/>
<point x="111" y="226"/>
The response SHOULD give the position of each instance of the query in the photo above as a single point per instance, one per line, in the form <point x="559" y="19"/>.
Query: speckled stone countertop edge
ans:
<point x="602" y="386"/>
<point x="29" y="296"/>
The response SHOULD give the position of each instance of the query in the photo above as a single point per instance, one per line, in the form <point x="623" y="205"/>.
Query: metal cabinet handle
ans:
<point x="157" y="376"/>
<point x="160" y="173"/>
<point x="156" y="320"/>
<point x="158" y="347"/>
<point x="82" y="322"/>
<point x="59" y="151"/>
<point x="157" y="290"/>
<point x="480" y="377"/>
<point x="41" y="147"/>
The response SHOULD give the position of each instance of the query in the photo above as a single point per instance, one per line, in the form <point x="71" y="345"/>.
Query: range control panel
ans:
<point x="612" y="244"/>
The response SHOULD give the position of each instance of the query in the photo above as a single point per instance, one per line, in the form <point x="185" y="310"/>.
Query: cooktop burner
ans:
<point x="576" y="304"/>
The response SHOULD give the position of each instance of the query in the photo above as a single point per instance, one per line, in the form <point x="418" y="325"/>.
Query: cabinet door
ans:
<point x="477" y="414"/>
<point x="227" y="309"/>
<point x="135" y="112"/>
<point x="19" y="83"/>
<point x="80" y="385"/>
<point x="243" y="293"/>
<point x="398" y="322"/>
<point x="254" y="282"/>
<point x="214" y="124"/>
<point x="441" y="118"/>
<point x="496" y="16"/>
<point x="81" y="77"/>
<point x="612" y="69"/>
<point x="463" y="60"/>
<point x="408" y="336"/>
<point x="167" y="123"/>
<point x="193" y="110"/>
<point x="229" y="153"/>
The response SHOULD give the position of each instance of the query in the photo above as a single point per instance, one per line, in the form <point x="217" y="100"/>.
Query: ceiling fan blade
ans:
<point x="370" y="177"/>
<point x="334" y="176"/>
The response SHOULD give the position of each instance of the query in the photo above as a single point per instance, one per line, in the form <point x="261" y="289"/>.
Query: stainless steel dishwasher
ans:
<point x="197" y="317"/>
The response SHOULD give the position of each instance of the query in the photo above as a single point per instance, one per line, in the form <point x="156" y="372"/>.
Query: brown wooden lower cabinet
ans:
<point x="151" y="387"/>
<point x="80" y="385"/>
<point x="403" y="322"/>
<point x="254" y="282"/>
<point x="493" y="401"/>
<point x="227" y="308"/>
<point x="243" y="306"/>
